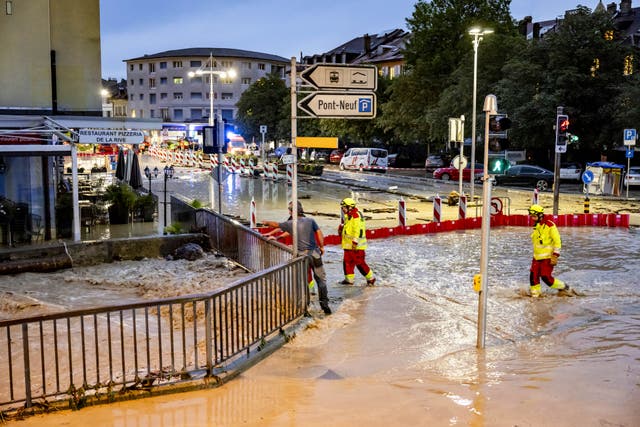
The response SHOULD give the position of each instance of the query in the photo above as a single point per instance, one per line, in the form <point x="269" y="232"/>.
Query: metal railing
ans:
<point x="103" y="353"/>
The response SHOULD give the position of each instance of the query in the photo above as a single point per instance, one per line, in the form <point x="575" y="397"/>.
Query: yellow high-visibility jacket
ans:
<point x="354" y="230"/>
<point x="546" y="240"/>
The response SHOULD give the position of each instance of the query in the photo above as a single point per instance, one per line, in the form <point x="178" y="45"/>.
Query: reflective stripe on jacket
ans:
<point x="546" y="240"/>
<point x="354" y="231"/>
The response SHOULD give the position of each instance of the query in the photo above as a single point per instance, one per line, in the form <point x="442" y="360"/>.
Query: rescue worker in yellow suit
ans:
<point x="354" y="243"/>
<point x="546" y="250"/>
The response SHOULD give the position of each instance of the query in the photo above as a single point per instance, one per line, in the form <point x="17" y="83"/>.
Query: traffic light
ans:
<point x="498" y="124"/>
<point x="498" y="144"/>
<point x="209" y="140"/>
<point x="562" y="128"/>
<point x="498" y="165"/>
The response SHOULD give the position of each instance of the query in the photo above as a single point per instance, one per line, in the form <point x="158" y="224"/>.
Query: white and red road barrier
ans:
<point x="289" y="174"/>
<point x="402" y="213"/>
<point x="462" y="207"/>
<point x="437" y="209"/>
<point x="252" y="214"/>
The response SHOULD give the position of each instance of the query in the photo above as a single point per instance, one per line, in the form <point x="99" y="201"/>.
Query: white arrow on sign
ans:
<point x="331" y="76"/>
<point x="340" y="105"/>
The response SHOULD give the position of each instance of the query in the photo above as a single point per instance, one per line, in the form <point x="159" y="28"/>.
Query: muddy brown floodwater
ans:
<point x="404" y="353"/>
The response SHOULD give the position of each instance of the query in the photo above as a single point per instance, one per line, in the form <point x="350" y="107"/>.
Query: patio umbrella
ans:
<point x="135" y="181"/>
<point x="120" y="165"/>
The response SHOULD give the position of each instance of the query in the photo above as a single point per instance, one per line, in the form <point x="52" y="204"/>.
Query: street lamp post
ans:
<point x="168" y="174"/>
<point x="490" y="107"/>
<point x="231" y="73"/>
<point x="477" y="34"/>
<point x="151" y="173"/>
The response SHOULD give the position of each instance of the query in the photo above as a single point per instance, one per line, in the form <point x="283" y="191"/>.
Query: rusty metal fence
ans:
<point x="103" y="353"/>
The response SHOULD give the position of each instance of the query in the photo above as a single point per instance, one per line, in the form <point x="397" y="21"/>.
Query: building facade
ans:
<point x="164" y="85"/>
<point x="50" y="57"/>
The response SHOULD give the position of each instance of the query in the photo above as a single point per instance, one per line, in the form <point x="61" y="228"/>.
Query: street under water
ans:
<point x="404" y="352"/>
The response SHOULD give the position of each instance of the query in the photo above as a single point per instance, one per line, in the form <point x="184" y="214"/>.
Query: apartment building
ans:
<point x="165" y="85"/>
<point x="50" y="57"/>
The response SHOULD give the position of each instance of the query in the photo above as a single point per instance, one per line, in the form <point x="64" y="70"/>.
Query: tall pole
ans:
<point x="556" y="167"/>
<point x="490" y="107"/>
<point x="476" y="42"/>
<point x="294" y="150"/>
<point x="211" y="197"/>
<point x="165" y="196"/>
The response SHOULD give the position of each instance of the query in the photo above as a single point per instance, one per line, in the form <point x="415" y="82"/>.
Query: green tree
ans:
<point x="263" y="103"/>
<point x="580" y="67"/>
<point x="439" y="44"/>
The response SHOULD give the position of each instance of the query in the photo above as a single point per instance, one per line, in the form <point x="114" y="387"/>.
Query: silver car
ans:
<point x="633" y="176"/>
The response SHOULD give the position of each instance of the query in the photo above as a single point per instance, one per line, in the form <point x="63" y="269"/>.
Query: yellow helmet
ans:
<point x="536" y="210"/>
<point x="348" y="202"/>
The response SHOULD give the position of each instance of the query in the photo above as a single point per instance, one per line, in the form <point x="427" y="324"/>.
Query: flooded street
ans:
<point x="404" y="352"/>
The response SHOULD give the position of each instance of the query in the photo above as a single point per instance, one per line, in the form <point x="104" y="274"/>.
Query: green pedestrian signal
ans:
<point x="498" y="165"/>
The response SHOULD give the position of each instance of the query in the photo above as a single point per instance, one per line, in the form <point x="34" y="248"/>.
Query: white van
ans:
<point x="365" y="159"/>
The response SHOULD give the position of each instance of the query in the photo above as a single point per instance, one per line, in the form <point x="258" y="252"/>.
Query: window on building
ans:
<point x="141" y="81"/>
<point x="9" y="7"/>
<point x="131" y="82"/>
<point x="246" y="80"/>
<point x="163" y="96"/>
<point x="141" y="113"/>
<point x="226" y="96"/>
<point x="196" y="113"/>
<point x="628" y="65"/>
<point x="196" y="95"/>
<point x="177" y="114"/>
<point x="246" y="65"/>
<point x="196" y="79"/>
<point x="226" y="64"/>
<point x="227" y="114"/>
<point x="164" y="113"/>
<point x="130" y="67"/>
<point x="152" y="98"/>
<point x="226" y="80"/>
<point x="163" y="65"/>
<point x="131" y="97"/>
<point x="140" y="67"/>
<point x="152" y="67"/>
<point x="152" y="83"/>
<point x="163" y="80"/>
<point x="195" y="63"/>
<point x="177" y="95"/>
<point x="262" y="66"/>
<point x="177" y="80"/>
<point x="152" y="113"/>
<point x="141" y="97"/>
<point x="208" y="96"/>
<point x="177" y="64"/>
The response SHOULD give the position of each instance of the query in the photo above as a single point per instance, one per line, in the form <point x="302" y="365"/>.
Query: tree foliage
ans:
<point x="263" y="104"/>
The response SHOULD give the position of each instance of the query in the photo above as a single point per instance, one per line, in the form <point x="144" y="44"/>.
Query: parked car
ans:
<point x="436" y="161"/>
<point x="451" y="173"/>
<point x="571" y="171"/>
<point x="335" y="156"/>
<point x="365" y="159"/>
<point x="633" y="176"/>
<point x="534" y="176"/>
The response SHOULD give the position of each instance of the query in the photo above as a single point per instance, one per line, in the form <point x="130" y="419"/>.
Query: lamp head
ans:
<point x="231" y="73"/>
<point x="490" y="104"/>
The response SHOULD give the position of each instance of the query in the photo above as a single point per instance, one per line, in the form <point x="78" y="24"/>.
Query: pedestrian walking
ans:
<point x="546" y="250"/>
<point x="354" y="243"/>
<point x="310" y="243"/>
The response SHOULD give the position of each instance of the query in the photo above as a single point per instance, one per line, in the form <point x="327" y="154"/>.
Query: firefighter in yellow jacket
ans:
<point x="546" y="250"/>
<point x="354" y="243"/>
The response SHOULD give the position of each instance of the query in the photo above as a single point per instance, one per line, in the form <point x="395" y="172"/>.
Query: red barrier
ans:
<point x="332" y="239"/>
<point x="624" y="220"/>
<point x="470" y="223"/>
<point x="615" y="220"/>
<point x="399" y="230"/>
<point x="559" y="220"/>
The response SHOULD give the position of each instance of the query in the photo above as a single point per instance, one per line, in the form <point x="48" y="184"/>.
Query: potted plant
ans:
<point x="122" y="199"/>
<point x="145" y="207"/>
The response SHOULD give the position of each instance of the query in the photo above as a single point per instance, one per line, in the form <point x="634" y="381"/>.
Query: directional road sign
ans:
<point x="340" y="105"/>
<point x="331" y="76"/>
<point x="587" y="177"/>
<point x="630" y="137"/>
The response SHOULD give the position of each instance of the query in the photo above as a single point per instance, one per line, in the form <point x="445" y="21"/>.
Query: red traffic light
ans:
<point x="563" y="123"/>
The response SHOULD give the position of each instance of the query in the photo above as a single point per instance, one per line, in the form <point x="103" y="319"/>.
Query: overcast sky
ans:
<point x="282" y="27"/>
